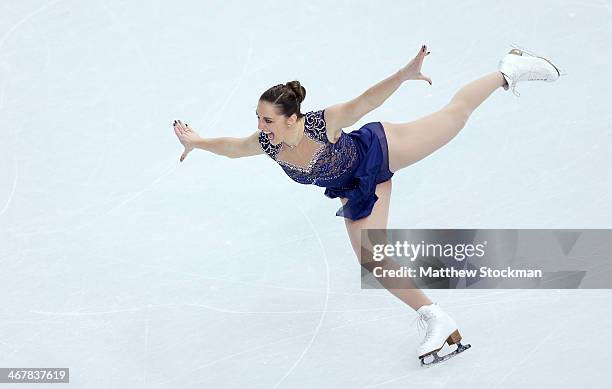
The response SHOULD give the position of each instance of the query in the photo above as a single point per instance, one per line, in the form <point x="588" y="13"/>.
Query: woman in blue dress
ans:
<point x="357" y="167"/>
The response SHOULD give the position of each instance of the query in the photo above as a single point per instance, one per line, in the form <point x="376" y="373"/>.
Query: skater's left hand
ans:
<point x="187" y="136"/>
<point x="412" y="71"/>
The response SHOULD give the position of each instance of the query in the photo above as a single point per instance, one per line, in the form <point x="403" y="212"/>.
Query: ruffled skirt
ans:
<point x="373" y="169"/>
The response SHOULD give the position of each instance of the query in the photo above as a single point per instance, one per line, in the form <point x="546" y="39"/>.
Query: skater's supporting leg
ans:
<point x="413" y="141"/>
<point x="415" y="298"/>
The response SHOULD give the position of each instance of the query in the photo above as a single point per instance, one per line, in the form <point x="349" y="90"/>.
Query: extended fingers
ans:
<point x="423" y="50"/>
<point x="177" y="130"/>
<point x="178" y="125"/>
<point x="184" y="126"/>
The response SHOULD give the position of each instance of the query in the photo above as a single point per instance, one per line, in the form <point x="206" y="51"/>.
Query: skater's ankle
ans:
<point x="505" y="80"/>
<point x="424" y="305"/>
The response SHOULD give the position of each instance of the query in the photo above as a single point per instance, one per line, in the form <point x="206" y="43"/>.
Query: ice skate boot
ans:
<point x="441" y="328"/>
<point x="521" y="65"/>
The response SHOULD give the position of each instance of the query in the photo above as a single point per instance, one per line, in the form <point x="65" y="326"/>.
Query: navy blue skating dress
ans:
<point x="349" y="168"/>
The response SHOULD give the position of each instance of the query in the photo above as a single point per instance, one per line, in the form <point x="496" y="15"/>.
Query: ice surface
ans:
<point x="136" y="271"/>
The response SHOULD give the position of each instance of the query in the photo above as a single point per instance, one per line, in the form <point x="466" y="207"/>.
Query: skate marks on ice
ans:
<point x="325" y="303"/>
<point x="527" y="356"/>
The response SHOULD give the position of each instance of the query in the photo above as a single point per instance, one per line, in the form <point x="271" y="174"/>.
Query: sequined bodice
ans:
<point x="315" y="160"/>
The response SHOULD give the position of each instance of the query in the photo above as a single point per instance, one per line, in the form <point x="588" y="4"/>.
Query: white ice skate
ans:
<point x="521" y="65"/>
<point x="441" y="329"/>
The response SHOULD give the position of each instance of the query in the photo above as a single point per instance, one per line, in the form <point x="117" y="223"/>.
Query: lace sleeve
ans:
<point x="314" y="123"/>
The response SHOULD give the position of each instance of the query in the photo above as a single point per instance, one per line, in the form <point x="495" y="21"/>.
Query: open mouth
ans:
<point x="269" y="134"/>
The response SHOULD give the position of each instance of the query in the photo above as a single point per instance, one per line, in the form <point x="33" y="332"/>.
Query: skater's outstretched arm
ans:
<point x="226" y="146"/>
<point x="346" y="114"/>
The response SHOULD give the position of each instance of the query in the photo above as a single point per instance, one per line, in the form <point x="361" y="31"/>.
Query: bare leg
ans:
<point x="413" y="141"/>
<point x="415" y="298"/>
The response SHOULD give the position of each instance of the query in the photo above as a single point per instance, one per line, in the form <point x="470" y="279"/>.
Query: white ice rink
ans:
<point x="136" y="271"/>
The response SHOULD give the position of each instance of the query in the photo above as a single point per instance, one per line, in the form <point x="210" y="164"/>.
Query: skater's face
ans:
<point x="273" y="124"/>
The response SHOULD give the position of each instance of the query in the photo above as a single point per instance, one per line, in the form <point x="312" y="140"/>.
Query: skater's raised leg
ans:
<point x="413" y="141"/>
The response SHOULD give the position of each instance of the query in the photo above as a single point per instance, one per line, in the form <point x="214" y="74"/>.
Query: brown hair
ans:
<point x="286" y="97"/>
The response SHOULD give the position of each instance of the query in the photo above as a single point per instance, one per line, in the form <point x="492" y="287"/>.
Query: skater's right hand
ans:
<point x="187" y="136"/>
<point x="412" y="71"/>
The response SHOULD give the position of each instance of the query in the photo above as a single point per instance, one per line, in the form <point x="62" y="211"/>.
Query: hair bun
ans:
<point x="298" y="89"/>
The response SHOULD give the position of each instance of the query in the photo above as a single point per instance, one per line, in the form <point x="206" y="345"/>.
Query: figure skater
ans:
<point x="357" y="167"/>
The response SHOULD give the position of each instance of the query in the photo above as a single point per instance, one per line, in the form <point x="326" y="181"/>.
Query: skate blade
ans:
<point x="533" y="54"/>
<point x="437" y="359"/>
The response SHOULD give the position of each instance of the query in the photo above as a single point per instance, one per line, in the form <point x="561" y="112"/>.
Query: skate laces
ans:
<point x="420" y="323"/>
<point x="513" y="88"/>
<point x="423" y="322"/>
<point x="529" y="75"/>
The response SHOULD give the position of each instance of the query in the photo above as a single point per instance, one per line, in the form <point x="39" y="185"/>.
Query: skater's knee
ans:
<point x="368" y="264"/>
<point x="364" y="259"/>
